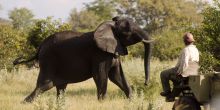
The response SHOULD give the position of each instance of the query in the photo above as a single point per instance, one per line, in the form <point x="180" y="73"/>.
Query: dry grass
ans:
<point x="16" y="85"/>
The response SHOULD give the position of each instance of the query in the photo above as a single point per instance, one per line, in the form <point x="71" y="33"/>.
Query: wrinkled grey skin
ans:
<point x="71" y="57"/>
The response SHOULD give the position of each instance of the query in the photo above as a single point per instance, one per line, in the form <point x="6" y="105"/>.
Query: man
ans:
<point x="187" y="65"/>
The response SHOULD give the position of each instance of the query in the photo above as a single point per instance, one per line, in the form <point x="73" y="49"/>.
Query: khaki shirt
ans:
<point x="188" y="61"/>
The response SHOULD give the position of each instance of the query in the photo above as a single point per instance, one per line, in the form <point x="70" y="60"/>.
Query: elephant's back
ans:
<point x="73" y="43"/>
<point x="66" y="35"/>
<point x="66" y="42"/>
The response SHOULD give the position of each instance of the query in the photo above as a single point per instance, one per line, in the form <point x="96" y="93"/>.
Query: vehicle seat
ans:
<point x="183" y="88"/>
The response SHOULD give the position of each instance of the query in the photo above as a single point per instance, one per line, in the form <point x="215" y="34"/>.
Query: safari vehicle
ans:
<point x="197" y="91"/>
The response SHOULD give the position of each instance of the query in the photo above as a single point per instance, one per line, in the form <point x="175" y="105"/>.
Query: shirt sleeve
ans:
<point x="183" y="63"/>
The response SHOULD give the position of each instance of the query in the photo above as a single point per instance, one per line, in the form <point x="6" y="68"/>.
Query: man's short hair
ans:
<point x="188" y="37"/>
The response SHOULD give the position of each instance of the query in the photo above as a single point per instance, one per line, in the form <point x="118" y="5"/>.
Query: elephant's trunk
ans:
<point x="147" y="56"/>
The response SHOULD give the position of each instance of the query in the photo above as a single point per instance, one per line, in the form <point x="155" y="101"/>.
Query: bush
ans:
<point x="44" y="28"/>
<point x="11" y="44"/>
<point x="208" y="38"/>
<point x="168" y="44"/>
<point x="136" y="51"/>
<point x="207" y="62"/>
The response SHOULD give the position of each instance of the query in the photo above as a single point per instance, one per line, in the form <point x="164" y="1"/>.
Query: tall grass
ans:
<point x="16" y="85"/>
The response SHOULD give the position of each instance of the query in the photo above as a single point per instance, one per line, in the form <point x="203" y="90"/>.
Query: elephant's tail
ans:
<point x="19" y="61"/>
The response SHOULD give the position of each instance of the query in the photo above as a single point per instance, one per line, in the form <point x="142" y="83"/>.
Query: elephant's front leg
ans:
<point x="60" y="89"/>
<point x="100" y="76"/>
<point x="116" y="75"/>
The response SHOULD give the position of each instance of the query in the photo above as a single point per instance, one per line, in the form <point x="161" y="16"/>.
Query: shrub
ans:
<point x="11" y="43"/>
<point x="168" y="44"/>
<point x="208" y="38"/>
<point x="44" y="28"/>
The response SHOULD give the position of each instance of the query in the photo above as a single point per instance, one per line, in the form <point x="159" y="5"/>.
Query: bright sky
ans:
<point x="43" y="8"/>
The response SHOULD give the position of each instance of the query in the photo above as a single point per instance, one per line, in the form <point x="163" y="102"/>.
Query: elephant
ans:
<point x="71" y="57"/>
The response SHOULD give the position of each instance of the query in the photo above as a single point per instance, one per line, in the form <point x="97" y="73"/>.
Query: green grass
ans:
<point x="16" y="85"/>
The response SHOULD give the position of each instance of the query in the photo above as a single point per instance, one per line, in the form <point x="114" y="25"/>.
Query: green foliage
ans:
<point x="21" y="18"/>
<point x="208" y="38"/>
<point x="95" y="13"/>
<point x="168" y="44"/>
<point x="156" y="15"/>
<point x="11" y="44"/>
<point x="207" y="63"/>
<point x="44" y="28"/>
<point x="103" y="8"/>
<point x="136" y="50"/>
<point x="16" y="42"/>
<point x="84" y="20"/>
<point x="4" y="22"/>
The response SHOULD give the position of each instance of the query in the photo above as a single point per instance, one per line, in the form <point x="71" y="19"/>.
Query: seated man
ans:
<point x="187" y="65"/>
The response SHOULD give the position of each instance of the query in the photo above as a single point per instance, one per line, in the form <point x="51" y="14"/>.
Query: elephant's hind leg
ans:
<point x="38" y="90"/>
<point x="116" y="75"/>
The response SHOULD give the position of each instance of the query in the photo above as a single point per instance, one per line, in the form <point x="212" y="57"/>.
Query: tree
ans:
<point x="156" y="15"/>
<point x="105" y="9"/>
<point x="208" y="38"/>
<point x="12" y="43"/>
<point x="95" y="13"/>
<point x="84" y="20"/>
<point x="43" y="28"/>
<point x="168" y="44"/>
<point x="4" y="21"/>
<point x="21" y="18"/>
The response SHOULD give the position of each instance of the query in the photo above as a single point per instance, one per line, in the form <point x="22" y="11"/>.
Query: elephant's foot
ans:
<point x="146" y="82"/>
<point x="101" y="96"/>
<point x="28" y="99"/>
<point x="32" y="96"/>
<point x="129" y="93"/>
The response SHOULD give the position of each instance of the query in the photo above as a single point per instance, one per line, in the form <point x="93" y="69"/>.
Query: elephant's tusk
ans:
<point x="216" y="72"/>
<point x="147" y="41"/>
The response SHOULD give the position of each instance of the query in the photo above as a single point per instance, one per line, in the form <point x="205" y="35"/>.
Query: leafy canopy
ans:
<point x="12" y="43"/>
<point x="43" y="28"/>
<point x="21" y="18"/>
<point x="84" y="20"/>
<point x="208" y="38"/>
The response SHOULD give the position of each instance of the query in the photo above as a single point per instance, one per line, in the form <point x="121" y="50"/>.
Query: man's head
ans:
<point x="188" y="38"/>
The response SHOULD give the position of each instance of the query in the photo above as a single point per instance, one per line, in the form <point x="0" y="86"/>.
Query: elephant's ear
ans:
<point x="107" y="41"/>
